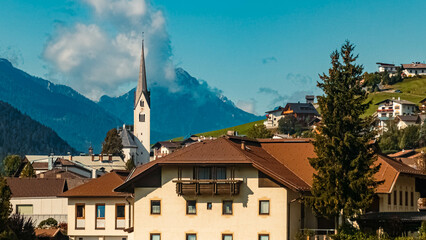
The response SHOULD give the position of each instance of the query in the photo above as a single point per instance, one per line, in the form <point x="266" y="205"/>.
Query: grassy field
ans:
<point x="241" y="129"/>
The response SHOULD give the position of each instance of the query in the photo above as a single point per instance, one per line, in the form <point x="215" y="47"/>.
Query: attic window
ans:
<point x="141" y="117"/>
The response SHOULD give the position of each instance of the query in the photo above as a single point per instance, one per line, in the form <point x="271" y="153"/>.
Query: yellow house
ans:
<point x="95" y="212"/>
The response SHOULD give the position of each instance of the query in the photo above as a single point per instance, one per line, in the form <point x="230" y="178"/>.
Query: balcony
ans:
<point x="385" y="110"/>
<point x="207" y="187"/>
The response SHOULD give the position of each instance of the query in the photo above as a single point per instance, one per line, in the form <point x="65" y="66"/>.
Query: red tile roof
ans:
<point x="46" y="233"/>
<point x="36" y="187"/>
<point x="40" y="165"/>
<point x="100" y="187"/>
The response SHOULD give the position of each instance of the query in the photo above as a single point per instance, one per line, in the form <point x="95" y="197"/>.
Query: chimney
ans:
<point x="110" y="157"/>
<point x="94" y="172"/>
<point x="90" y="150"/>
<point x="93" y="157"/>
<point x="50" y="162"/>
<point x="41" y="175"/>
<point x="70" y="156"/>
<point x="243" y="145"/>
<point x="101" y="157"/>
<point x="58" y="175"/>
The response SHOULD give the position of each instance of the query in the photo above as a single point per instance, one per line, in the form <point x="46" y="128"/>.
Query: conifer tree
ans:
<point x="343" y="184"/>
<point x="112" y="144"/>
<point x="28" y="171"/>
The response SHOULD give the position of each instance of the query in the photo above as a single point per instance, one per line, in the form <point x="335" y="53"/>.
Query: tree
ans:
<point x="410" y="137"/>
<point x="288" y="125"/>
<point x="130" y="164"/>
<point x="48" y="223"/>
<point x="5" y="209"/>
<point x="112" y="144"/>
<point x="28" y="171"/>
<point x="422" y="135"/>
<point x="389" y="141"/>
<point x="11" y="164"/>
<point x="259" y="131"/>
<point x="22" y="227"/>
<point x="343" y="184"/>
<point x="385" y="77"/>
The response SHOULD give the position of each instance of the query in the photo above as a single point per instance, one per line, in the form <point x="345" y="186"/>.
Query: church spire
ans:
<point x="142" y="87"/>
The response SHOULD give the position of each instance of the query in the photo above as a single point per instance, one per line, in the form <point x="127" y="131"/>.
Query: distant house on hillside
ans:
<point x="415" y="68"/>
<point x="164" y="148"/>
<point x="388" y="67"/>
<point x="403" y="121"/>
<point x="303" y="112"/>
<point x="394" y="107"/>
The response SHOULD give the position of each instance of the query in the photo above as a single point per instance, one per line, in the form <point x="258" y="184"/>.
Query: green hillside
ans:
<point x="412" y="89"/>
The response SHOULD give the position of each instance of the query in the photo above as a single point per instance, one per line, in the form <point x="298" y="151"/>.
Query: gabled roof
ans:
<point x="36" y="187"/>
<point x="40" y="165"/>
<point x="414" y="65"/>
<point x="100" y="187"/>
<point x="59" y="173"/>
<point x="127" y="139"/>
<point x="167" y="144"/>
<point x="408" y="118"/>
<point x="403" y="153"/>
<point x="276" y="109"/>
<point x="301" y="108"/>
<point x="205" y="153"/>
<point x="400" y="101"/>
<point x="47" y="233"/>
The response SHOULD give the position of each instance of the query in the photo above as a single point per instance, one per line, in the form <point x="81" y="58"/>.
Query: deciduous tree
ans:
<point x="259" y="131"/>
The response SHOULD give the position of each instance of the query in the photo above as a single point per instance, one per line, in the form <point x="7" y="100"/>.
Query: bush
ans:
<point x="48" y="223"/>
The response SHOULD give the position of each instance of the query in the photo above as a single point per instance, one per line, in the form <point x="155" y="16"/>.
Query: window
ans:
<point x="221" y="173"/>
<point x="227" y="237"/>
<point x="120" y="215"/>
<point x="191" y="207"/>
<point x="141" y="117"/>
<point x="406" y="198"/>
<point x="400" y="198"/>
<point x="263" y="236"/>
<point x="209" y="206"/>
<point x="24" y="209"/>
<point x="155" y="236"/>
<point x="142" y="103"/>
<point x="155" y="207"/>
<point x="389" y="199"/>
<point x="227" y="208"/>
<point x="204" y="173"/>
<point x="395" y="193"/>
<point x="79" y="216"/>
<point x="412" y="199"/>
<point x="191" y="236"/>
<point x="100" y="216"/>
<point x="264" y="207"/>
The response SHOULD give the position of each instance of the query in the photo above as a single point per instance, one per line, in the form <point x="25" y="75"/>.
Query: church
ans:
<point x="136" y="143"/>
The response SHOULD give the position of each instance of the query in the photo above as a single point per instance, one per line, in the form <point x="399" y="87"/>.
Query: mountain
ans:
<point x="19" y="134"/>
<point x="193" y="108"/>
<point x="77" y="119"/>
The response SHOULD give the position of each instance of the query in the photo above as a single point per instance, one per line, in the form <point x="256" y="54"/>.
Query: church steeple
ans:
<point x="142" y="87"/>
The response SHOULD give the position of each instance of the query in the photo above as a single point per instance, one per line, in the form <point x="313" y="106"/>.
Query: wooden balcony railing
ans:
<point x="207" y="187"/>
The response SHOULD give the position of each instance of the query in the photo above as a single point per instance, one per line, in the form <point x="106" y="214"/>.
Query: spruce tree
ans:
<point x="343" y="184"/>
<point x="28" y="171"/>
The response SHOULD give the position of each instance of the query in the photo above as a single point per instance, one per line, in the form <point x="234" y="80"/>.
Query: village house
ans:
<point x="96" y="212"/>
<point x="303" y="112"/>
<point x="164" y="148"/>
<point x="38" y="198"/>
<point x="393" y="107"/>
<point x="413" y="69"/>
<point x="249" y="189"/>
<point x="388" y="67"/>
<point x="403" y="121"/>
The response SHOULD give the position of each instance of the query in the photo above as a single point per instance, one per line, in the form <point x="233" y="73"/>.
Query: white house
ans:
<point x="394" y="107"/>
<point x="388" y="67"/>
<point x="415" y="68"/>
<point x="38" y="198"/>
<point x="403" y="121"/>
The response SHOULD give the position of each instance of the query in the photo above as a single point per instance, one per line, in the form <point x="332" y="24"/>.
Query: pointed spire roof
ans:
<point x="142" y="87"/>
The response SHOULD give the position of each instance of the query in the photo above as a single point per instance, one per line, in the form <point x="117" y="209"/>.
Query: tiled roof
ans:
<point x="127" y="139"/>
<point x="99" y="187"/>
<point x="408" y="118"/>
<point x="414" y="65"/>
<point x="167" y="144"/>
<point x="400" y="101"/>
<point x="230" y="153"/>
<point x="40" y="165"/>
<point x="301" y="108"/>
<point x="46" y="233"/>
<point x="36" y="187"/>
<point x="403" y="153"/>
<point x="62" y="174"/>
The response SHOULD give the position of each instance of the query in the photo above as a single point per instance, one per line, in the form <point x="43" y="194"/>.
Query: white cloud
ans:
<point x="103" y="57"/>
<point x="247" y="105"/>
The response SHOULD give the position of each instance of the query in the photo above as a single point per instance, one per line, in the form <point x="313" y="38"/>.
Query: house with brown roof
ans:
<point x="49" y="234"/>
<point x="95" y="211"/>
<point x="38" y="198"/>
<point x="164" y="148"/>
<point x="414" y="68"/>
<point x="407" y="120"/>
<point x="248" y="189"/>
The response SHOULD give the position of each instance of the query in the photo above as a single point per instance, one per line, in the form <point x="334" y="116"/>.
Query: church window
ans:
<point x="141" y="117"/>
<point x="142" y="103"/>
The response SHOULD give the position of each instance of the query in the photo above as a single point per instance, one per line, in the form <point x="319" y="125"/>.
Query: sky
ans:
<point x="260" y="54"/>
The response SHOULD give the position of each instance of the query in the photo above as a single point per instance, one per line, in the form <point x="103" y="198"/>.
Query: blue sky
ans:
<point x="259" y="53"/>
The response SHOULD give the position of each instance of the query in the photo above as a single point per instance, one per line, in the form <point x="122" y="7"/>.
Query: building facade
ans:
<point x="413" y="69"/>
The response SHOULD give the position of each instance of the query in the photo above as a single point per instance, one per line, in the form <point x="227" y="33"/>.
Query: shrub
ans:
<point x="48" y="223"/>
